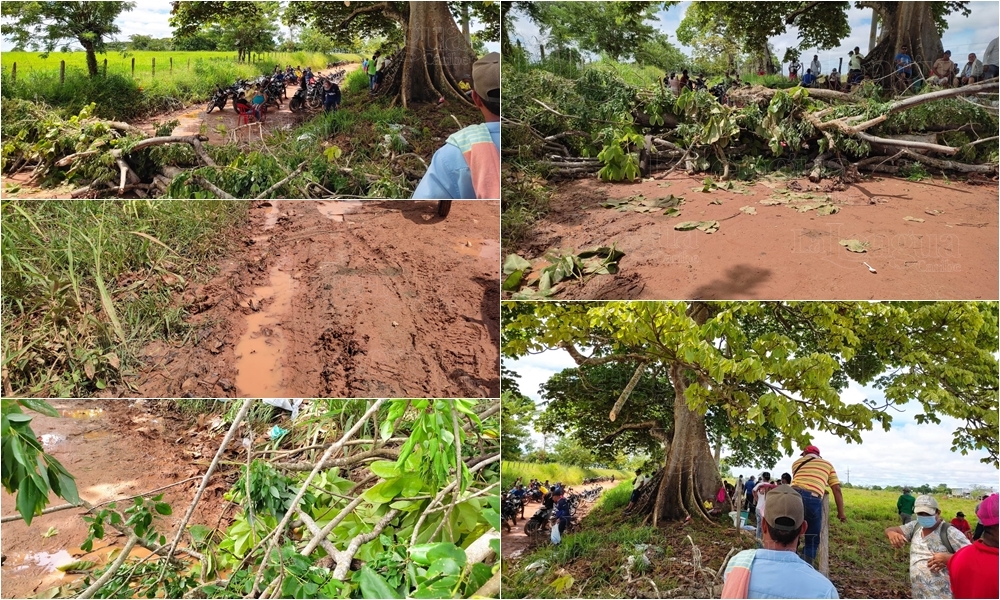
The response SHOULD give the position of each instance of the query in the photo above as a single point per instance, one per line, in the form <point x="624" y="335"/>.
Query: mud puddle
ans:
<point x="337" y="210"/>
<point x="114" y="449"/>
<point x="262" y="348"/>
<point x="345" y="299"/>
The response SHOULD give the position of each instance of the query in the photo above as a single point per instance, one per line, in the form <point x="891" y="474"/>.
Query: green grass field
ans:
<point x="120" y="96"/>
<point x="511" y="470"/>
<point x="32" y="62"/>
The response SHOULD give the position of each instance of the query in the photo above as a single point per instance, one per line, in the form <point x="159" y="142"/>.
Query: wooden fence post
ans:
<point x="823" y="555"/>
<point x="154" y="68"/>
<point x="13" y="73"/>
<point x="171" y="65"/>
<point x="105" y="67"/>
<point x="62" y="72"/>
<point x="133" y="67"/>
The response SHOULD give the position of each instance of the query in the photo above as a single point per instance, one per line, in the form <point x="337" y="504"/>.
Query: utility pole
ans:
<point x="848" y="474"/>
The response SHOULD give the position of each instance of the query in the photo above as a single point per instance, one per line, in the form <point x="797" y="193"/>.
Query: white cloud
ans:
<point x="909" y="453"/>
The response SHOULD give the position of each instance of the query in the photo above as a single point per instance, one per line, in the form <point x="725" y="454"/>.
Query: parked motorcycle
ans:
<point x="539" y="522"/>
<point x="218" y="99"/>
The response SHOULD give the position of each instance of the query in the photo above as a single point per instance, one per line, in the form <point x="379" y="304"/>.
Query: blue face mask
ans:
<point x="927" y="522"/>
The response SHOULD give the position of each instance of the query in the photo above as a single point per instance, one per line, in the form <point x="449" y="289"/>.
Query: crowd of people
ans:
<point x="906" y="74"/>
<point x="947" y="559"/>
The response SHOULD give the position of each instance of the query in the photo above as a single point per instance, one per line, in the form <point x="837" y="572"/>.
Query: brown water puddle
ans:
<point x="271" y="217"/>
<point x="336" y="210"/>
<point x="487" y="249"/>
<point x="260" y="351"/>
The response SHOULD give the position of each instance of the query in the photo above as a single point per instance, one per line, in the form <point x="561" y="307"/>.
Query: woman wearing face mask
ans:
<point x="932" y="544"/>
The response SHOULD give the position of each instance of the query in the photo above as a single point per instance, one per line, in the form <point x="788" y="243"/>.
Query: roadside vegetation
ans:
<point x="604" y="558"/>
<point x="354" y="499"/>
<point x="87" y="283"/>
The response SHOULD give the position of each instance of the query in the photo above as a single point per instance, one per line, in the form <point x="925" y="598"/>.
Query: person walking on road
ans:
<point x="811" y="474"/>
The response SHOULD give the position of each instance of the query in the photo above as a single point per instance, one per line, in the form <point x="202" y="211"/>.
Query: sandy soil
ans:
<point x="344" y="299"/>
<point x="115" y="450"/>
<point x="516" y="542"/>
<point x="780" y="253"/>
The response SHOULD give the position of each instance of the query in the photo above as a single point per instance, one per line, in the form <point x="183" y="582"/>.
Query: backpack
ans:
<point x="942" y="531"/>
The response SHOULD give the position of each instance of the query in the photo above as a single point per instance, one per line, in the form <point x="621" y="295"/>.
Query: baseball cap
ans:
<point x="927" y="503"/>
<point x="486" y="77"/>
<point x="988" y="511"/>
<point x="958" y="514"/>
<point x="783" y="510"/>
<point x="811" y="450"/>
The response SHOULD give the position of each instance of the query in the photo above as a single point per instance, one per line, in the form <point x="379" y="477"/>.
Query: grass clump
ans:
<point x="86" y="283"/>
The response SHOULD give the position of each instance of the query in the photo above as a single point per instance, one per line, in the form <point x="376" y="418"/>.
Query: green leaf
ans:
<point x="40" y="406"/>
<point x="384" y="469"/>
<point x="18" y="417"/>
<point x="163" y="508"/>
<point x="373" y="585"/>
<point x="515" y="263"/>
<point x="444" y="566"/>
<point x="27" y="497"/>
<point x="854" y="245"/>
<point x="563" y="583"/>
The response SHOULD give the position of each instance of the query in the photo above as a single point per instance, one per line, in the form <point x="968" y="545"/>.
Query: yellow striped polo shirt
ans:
<point x="813" y="475"/>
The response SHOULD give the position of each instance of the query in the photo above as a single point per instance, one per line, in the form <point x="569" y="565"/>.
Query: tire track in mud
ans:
<point x="337" y="299"/>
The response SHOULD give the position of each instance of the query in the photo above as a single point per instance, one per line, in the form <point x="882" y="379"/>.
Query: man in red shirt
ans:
<point x="961" y="524"/>
<point x="975" y="569"/>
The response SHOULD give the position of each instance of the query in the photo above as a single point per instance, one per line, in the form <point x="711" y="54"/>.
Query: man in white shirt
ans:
<point x="815" y="65"/>
<point x="971" y="72"/>
<point x="991" y="66"/>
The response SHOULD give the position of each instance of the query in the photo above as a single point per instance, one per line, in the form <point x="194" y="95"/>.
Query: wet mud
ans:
<point x="780" y="253"/>
<point x="343" y="299"/>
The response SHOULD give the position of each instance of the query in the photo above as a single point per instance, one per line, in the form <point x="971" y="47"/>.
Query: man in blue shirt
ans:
<point x="468" y="165"/>
<point x="904" y="70"/>
<point x="776" y="571"/>
<point x="809" y="78"/>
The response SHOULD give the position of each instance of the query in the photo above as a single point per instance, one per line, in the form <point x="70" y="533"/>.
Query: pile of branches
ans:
<point x="830" y="130"/>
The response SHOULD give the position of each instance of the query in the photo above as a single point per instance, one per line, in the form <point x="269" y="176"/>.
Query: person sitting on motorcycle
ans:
<point x="331" y="95"/>
<point x="518" y="493"/>
<point x="548" y="501"/>
<point x="468" y="165"/>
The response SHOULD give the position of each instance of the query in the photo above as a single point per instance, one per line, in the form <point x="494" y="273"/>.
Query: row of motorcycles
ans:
<point x="540" y="523"/>
<point x="310" y="95"/>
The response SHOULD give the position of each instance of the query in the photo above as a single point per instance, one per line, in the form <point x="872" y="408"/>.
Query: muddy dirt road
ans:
<point x="115" y="449"/>
<point x="779" y="252"/>
<point x="344" y="299"/>
<point x="516" y="542"/>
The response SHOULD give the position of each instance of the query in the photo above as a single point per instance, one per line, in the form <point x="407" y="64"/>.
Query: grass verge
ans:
<point x="86" y="283"/>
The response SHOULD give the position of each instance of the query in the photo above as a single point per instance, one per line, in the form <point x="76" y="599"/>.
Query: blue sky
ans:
<point x="149" y="17"/>
<point x="909" y="453"/>
<point x="964" y="34"/>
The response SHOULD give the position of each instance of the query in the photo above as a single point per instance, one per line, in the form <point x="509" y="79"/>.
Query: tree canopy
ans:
<point x="246" y="26"/>
<point x="780" y="368"/>
<point x="44" y="25"/>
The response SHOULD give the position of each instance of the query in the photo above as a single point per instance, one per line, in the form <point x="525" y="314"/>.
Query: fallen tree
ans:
<point x="600" y="125"/>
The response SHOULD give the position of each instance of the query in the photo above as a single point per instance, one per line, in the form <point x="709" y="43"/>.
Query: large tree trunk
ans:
<point x="690" y="473"/>
<point x="435" y="59"/>
<point x="909" y="24"/>
<point x="91" y="57"/>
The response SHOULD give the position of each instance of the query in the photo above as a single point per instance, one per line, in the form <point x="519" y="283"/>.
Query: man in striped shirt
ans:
<point x="811" y="474"/>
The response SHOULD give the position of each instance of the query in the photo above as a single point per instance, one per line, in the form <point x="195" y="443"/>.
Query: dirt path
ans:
<point x="516" y="542"/>
<point x="779" y="252"/>
<point x="344" y="299"/>
<point x="114" y="449"/>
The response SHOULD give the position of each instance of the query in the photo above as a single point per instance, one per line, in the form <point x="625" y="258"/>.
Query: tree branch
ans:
<point x="343" y="559"/>
<point x="628" y="427"/>
<point x="627" y="391"/>
<point x="790" y="19"/>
